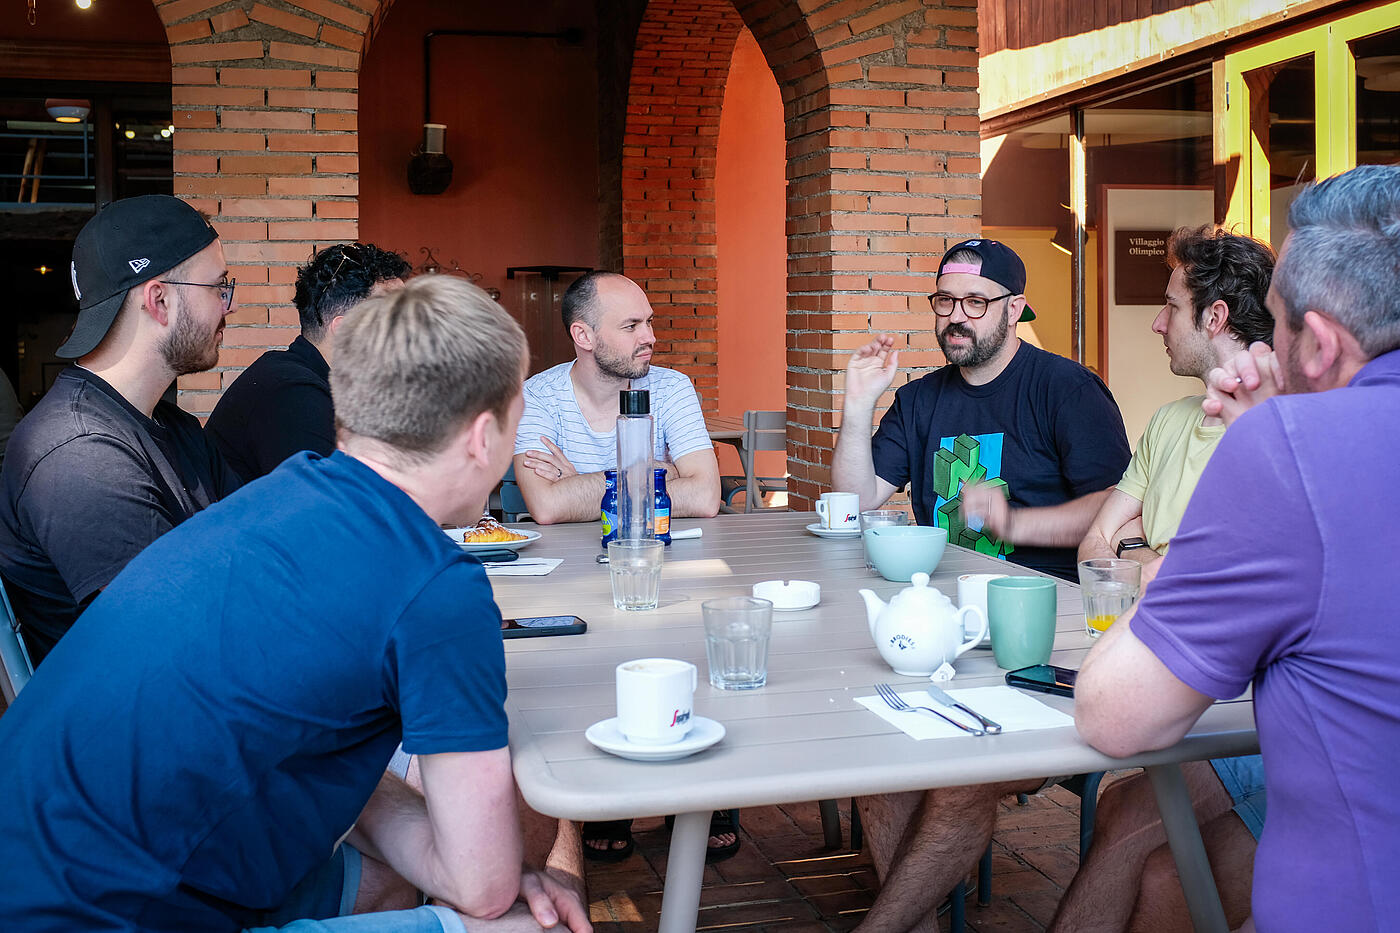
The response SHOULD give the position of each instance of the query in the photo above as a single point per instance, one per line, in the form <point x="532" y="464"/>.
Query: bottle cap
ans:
<point x="634" y="402"/>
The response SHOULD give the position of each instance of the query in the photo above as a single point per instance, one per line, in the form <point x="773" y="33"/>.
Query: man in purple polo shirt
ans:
<point x="1279" y="575"/>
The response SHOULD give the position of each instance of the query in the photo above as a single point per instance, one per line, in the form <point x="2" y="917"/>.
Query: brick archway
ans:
<point x="883" y="163"/>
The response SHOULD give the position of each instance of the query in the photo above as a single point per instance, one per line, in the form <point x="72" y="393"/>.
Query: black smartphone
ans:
<point x="1045" y="678"/>
<point x="543" y="625"/>
<point x="498" y="556"/>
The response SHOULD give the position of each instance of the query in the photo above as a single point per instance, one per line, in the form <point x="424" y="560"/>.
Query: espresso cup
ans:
<point x="839" y="510"/>
<point x="1021" y="618"/>
<point x="654" y="699"/>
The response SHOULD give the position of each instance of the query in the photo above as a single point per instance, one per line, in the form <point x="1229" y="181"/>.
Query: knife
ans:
<point x="938" y="694"/>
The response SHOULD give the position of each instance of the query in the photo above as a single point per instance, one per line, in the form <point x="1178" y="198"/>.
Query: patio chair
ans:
<point x="763" y="430"/>
<point x="14" y="657"/>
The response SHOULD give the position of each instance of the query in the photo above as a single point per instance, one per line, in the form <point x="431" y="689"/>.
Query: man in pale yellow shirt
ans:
<point x="1214" y="309"/>
<point x="1127" y="880"/>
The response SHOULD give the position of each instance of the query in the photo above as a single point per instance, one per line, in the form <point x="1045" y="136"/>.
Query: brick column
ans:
<point x="264" y="95"/>
<point x="880" y="102"/>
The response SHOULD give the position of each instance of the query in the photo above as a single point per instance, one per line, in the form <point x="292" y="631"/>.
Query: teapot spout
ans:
<point x="874" y="605"/>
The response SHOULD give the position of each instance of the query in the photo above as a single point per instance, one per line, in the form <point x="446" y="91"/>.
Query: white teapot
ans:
<point x="919" y="630"/>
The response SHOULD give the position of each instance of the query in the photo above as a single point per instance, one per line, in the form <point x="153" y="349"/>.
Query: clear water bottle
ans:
<point x="636" y="509"/>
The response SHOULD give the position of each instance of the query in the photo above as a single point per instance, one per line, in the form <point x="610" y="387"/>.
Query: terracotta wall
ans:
<point x="521" y="117"/>
<point x="752" y="250"/>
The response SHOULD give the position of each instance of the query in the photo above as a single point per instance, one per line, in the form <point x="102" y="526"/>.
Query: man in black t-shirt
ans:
<point x="281" y="404"/>
<point x="1012" y="450"/>
<point x="102" y="467"/>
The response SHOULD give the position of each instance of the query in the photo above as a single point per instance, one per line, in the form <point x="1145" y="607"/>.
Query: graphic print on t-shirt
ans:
<point x="961" y="460"/>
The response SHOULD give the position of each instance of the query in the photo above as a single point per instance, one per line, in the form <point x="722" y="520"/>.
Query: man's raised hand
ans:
<point x="871" y="371"/>
<point x="1245" y="380"/>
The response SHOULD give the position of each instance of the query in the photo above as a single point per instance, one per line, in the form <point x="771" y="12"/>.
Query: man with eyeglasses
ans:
<point x="1010" y="448"/>
<point x="281" y="404"/>
<point x="102" y="466"/>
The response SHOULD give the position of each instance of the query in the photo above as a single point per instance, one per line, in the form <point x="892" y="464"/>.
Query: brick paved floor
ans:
<point x="784" y="880"/>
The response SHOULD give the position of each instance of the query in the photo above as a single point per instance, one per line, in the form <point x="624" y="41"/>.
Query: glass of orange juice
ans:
<point x="1110" y="585"/>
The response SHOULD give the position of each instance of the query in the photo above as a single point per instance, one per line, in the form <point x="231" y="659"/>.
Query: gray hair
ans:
<point x="413" y="365"/>
<point x="1343" y="255"/>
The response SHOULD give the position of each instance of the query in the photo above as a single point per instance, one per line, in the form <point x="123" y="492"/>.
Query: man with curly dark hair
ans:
<point x="281" y="404"/>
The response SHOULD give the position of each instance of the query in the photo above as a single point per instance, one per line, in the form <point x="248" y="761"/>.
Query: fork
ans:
<point x="895" y="702"/>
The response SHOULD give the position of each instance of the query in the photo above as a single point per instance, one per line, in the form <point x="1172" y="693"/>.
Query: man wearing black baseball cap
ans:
<point x="102" y="467"/>
<point x="1010" y="448"/>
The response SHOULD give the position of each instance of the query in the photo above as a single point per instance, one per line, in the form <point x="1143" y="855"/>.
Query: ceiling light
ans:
<point x="68" y="111"/>
<point x="84" y="4"/>
<point x="164" y="134"/>
<point x="130" y="134"/>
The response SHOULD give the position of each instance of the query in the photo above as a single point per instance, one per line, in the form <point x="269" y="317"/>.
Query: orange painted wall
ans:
<point x="522" y="118"/>
<point x="752" y="269"/>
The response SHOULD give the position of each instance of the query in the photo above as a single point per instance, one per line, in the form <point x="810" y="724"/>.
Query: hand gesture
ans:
<point x="870" y="371"/>
<point x="544" y="904"/>
<point x="552" y="464"/>
<point x="1250" y="377"/>
<point x="987" y="503"/>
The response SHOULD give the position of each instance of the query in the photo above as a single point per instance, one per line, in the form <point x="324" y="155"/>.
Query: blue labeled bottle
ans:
<point x="608" y="507"/>
<point x="662" y="509"/>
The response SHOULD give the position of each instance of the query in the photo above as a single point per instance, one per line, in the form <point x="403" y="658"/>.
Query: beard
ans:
<point x="980" y="350"/>
<point x="617" y="365"/>
<point x="187" y="349"/>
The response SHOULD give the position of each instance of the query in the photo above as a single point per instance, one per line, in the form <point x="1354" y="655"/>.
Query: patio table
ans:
<point x="803" y="736"/>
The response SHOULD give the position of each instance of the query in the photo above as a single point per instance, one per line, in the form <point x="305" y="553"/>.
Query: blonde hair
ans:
<point x="413" y="365"/>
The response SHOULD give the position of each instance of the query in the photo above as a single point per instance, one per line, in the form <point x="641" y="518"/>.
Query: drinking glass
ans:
<point x="736" y="641"/>
<point x="635" y="566"/>
<point x="872" y="518"/>
<point x="1110" y="585"/>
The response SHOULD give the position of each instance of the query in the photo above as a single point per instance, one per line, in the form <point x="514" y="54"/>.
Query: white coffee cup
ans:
<point x="839" y="510"/>
<point x="972" y="591"/>
<point x="654" y="699"/>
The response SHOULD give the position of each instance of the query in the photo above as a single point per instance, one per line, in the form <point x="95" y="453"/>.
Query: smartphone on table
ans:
<point x="1044" y="678"/>
<point x="542" y="625"/>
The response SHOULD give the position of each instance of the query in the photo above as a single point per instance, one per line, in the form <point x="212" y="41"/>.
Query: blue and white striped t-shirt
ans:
<point x="552" y="411"/>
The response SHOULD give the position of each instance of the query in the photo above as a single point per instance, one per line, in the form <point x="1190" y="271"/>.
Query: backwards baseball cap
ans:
<point x="128" y="242"/>
<point x="999" y="263"/>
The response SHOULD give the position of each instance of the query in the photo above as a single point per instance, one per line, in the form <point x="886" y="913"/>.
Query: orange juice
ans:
<point x="1099" y="624"/>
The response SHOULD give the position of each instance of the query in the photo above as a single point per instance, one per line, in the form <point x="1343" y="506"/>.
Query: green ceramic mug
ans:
<point x="1021" y="619"/>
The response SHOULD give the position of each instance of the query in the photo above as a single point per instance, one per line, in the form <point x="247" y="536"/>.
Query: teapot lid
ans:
<point x="920" y="592"/>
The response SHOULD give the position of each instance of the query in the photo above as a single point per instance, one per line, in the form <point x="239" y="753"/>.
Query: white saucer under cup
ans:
<point x="605" y="736"/>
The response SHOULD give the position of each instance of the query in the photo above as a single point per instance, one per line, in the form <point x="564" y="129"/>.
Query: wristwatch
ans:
<point x="1128" y="544"/>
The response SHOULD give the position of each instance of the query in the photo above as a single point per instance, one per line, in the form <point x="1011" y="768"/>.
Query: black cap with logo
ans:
<point x="999" y="263"/>
<point x="128" y="242"/>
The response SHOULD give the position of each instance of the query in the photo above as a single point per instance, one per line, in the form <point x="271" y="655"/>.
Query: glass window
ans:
<point x="1378" y="98"/>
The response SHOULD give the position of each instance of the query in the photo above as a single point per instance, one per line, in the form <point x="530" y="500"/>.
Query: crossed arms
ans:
<point x="556" y="492"/>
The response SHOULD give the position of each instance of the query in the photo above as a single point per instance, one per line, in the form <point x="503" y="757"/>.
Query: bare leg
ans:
<point x="1161" y="906"/>
<point x="945" y="835"/>
<point x="1127" y="829"/>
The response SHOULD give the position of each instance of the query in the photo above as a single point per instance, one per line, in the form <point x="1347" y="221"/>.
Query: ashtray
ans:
<point x="789" y="595"/>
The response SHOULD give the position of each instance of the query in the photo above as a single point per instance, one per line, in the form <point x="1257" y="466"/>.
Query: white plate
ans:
<point x="817" y="529"/>
<point x="703" y="733"/>
<point x="456" y="535"/>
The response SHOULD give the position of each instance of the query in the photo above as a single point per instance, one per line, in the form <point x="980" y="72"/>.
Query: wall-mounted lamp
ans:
<point x="68" y="111"/>
<point x="431" y="266"/>
<point x="430" y="170"/>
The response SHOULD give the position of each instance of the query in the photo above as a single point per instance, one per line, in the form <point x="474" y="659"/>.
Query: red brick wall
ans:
<point x="264" y="98"/>
<point x="880" y="104"/>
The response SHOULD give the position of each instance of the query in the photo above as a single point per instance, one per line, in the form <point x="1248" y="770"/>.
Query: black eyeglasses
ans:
<point x="974" y="306"/>
<point x="225" y="289"/>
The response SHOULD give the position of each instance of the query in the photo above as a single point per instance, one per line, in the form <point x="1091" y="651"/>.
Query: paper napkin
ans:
<point x="1016" y="712"/>
<point x="532" y="567"/>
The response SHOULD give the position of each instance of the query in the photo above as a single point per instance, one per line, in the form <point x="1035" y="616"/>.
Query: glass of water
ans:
<point x="736" y="641"/>
<point x="635" y="566"/>
<point x="1110" y="585"/>
<point x="874" y="518"/>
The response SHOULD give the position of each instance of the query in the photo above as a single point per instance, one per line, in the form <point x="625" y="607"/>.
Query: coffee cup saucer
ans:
<point x="606" y="736"/>
<point x="817" y="529"/>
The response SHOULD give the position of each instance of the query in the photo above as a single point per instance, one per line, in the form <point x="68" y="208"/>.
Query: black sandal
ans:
<point x="609" y="832"/>
<point x="722" y="822"/>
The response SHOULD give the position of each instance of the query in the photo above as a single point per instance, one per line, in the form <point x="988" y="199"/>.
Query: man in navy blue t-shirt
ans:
<point x="206" y="747"/>
<point x="1013" y="450"/>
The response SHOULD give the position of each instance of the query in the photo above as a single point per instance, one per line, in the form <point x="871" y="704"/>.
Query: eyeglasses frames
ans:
<point x="225" y="289"/>
<point x="973" y="306"/>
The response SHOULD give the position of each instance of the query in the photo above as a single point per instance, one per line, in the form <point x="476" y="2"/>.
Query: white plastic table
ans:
<point x="803" y="736"/>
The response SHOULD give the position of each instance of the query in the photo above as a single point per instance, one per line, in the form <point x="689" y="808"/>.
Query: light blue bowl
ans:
<point x="900" y="551"/>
